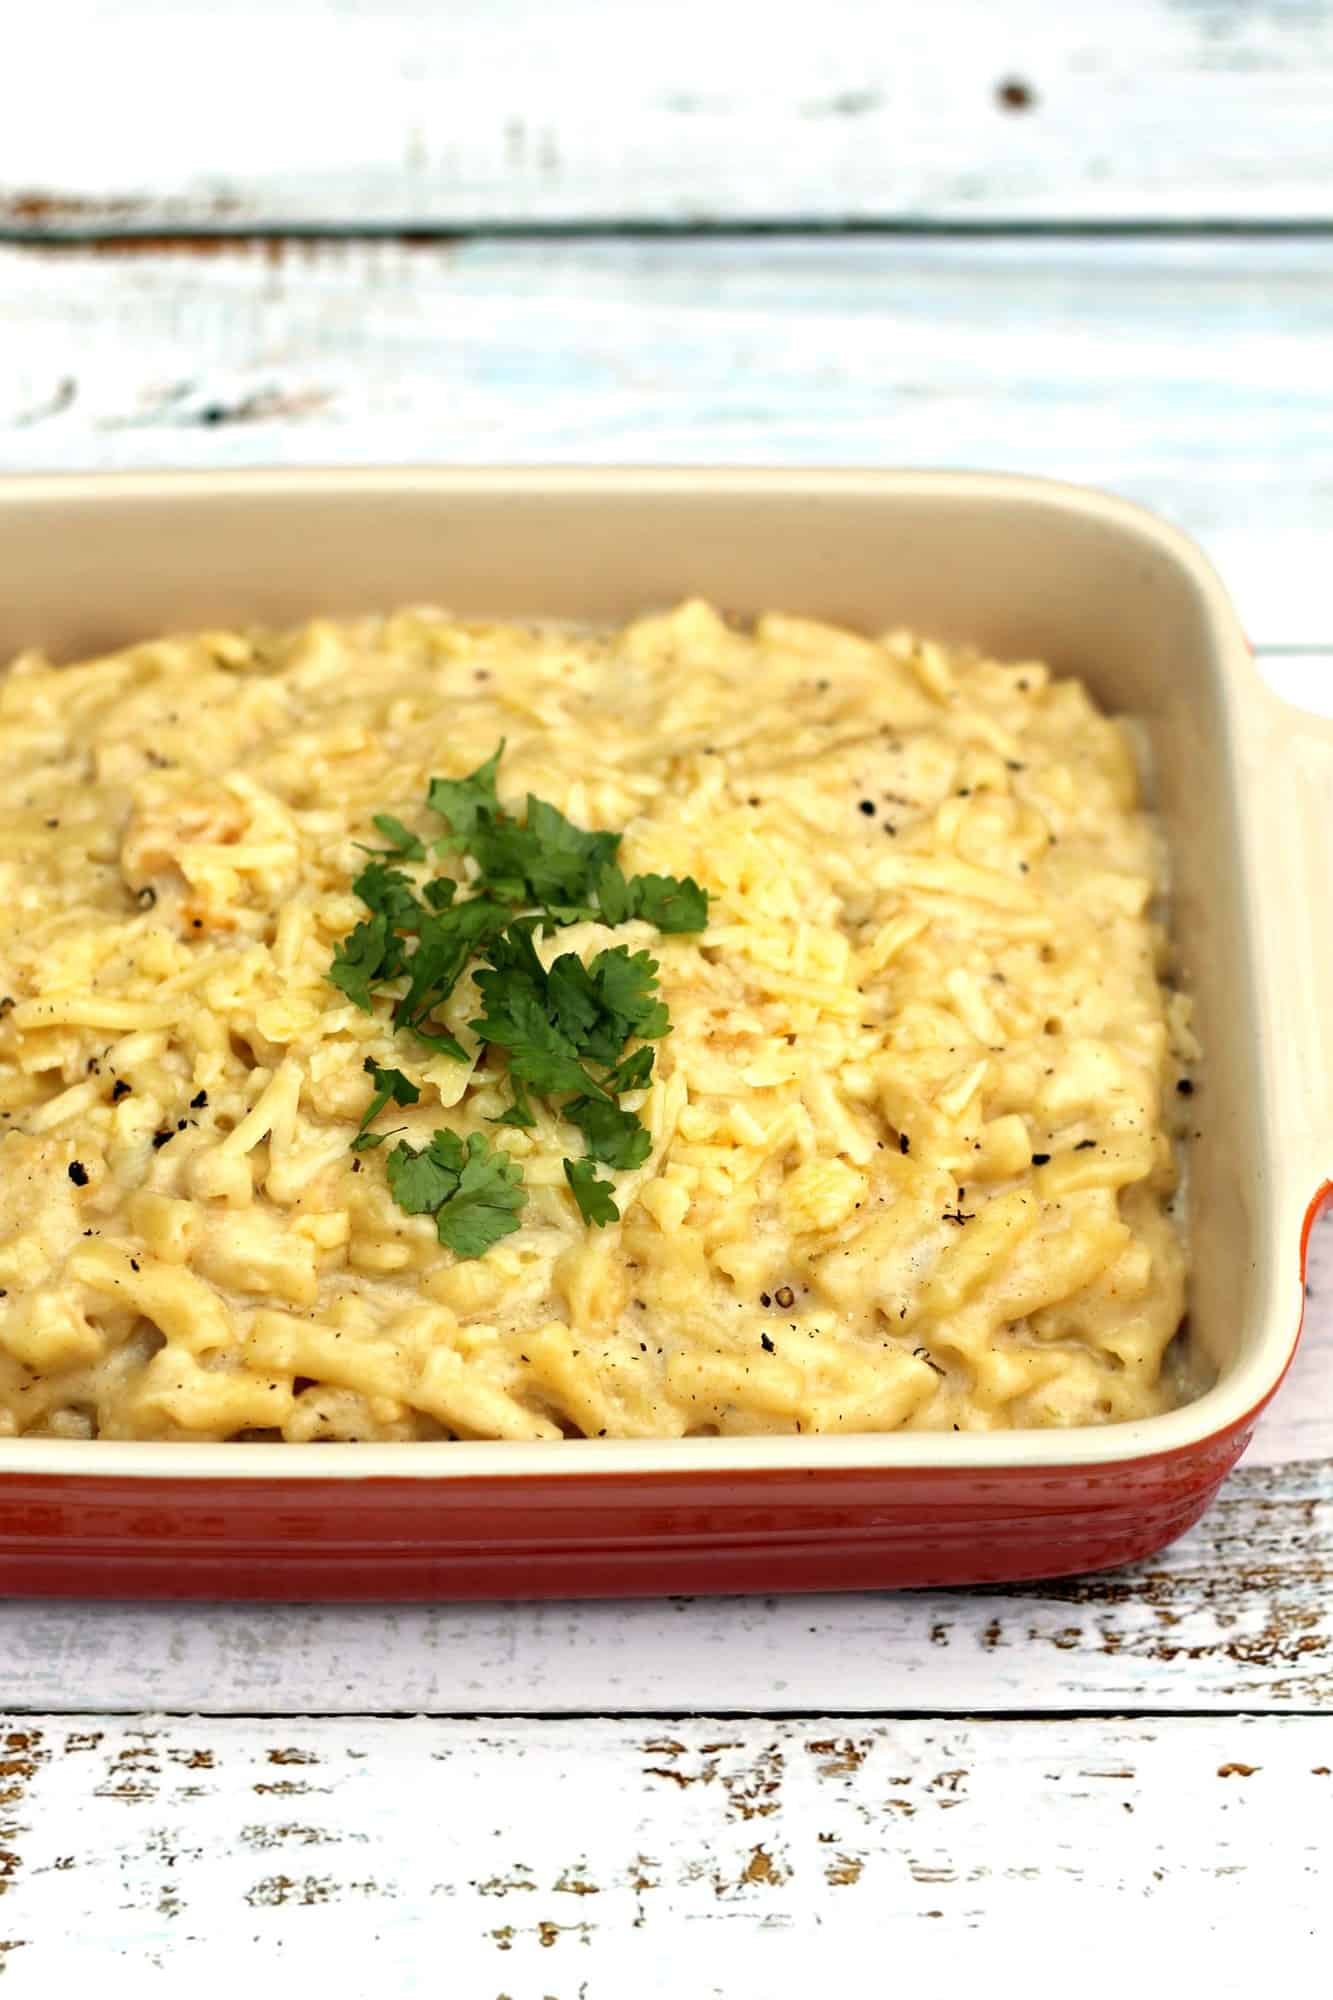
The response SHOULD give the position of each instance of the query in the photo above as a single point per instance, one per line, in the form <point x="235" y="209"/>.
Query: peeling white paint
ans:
<point x="670" y="1858"/>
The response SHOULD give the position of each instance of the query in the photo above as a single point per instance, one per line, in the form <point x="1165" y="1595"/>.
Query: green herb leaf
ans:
<point x="517" y="1020"/>
<point x="446" y="1044"/>
<point x="390" y="1086"/>
<point x="577" y="1005"/>
<point x="567" y="861"/>
<point x="448" y="939"/>
<point x="433" y="970"/>
<point x="367" y="957"/>
<point x="632" y="1072"/>
<point x="401" y="839"/>
<point x="614" y="896"/>
<point x="595" y="1197"/>
<point x="513" y="952"/>
<point x="673" y="903"/>
<point x="474" y="1191"/>
<point x="390" y="893"/>
<point x="487" y="1202"/>
<point x="520" y="1016"/>
<point x="599" y="1006"/>
<point x="626" y="985"/>
<point x="551" y="1024"/>
<point x="420" y="1179"/>
<point x="462" y="801"/>
<point x="546" y="860"/>
<point x="614" y="1137"/>
<point x="520" y="1112"/>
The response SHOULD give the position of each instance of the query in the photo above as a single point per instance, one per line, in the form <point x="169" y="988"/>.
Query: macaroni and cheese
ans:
<point x="908" y="1159"/>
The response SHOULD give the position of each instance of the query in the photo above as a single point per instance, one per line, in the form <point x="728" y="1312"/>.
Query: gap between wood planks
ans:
<point x="853" y="1719"/>
<point x="112" y="238"/>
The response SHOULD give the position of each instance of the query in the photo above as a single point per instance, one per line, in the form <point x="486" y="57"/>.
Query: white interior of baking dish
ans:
<point x="1021" y="567"/>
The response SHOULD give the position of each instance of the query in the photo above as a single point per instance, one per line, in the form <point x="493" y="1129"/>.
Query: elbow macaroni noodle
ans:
<point x="910" y="1159"/>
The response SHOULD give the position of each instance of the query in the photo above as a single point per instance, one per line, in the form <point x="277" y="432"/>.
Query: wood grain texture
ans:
<point x="1189" y="375"/>
<point x="403" y="113"/>
<point x="701" y="1858"/>
<point x="1238" y="1615"/>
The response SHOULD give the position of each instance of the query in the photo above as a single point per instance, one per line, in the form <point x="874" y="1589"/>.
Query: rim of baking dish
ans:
<point x="1224" y="1410"/>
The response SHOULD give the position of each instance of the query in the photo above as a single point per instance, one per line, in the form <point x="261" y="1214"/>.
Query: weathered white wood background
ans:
<point x="1094" y="241"/>
<point x="670" y="1859"/>
<point x="408" y="114"/>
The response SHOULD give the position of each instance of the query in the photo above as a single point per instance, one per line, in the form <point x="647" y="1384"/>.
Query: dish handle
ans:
<point x="1291" y="819"/>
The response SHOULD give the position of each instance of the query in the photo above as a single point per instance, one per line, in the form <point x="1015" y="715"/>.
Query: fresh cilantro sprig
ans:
<point x="474" y="1190"/>
<point x="462" y="801"/>
<point x="594" y="1196"/>
<point x="368" y="957"/>
<point x="545" y="861"/>
<point x="391" y="1086"/>
<point x="615" y="1137"/>
<point x="542" y="860"/>
<point x="518" y="1020"/>
<point x="600" y="1005"/>
<point x="403" y="843"/>
<point x="558" y="1027"/>
<point x="670" y="902"/>
<point x="390" y="894"/>
<point x="632" y="1072"/>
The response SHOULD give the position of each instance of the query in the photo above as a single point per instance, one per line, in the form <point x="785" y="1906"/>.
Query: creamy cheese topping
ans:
<point x="910" y="1162"/>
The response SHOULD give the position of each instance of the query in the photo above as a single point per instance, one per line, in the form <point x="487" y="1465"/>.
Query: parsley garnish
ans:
<point x="671" y="904"/>
<point x="633" y="1073"/>
<point x="543" y="859"/>
<point x="402" y="841"/>
<point x="595" y="1197"/>
<point x="613" y="1136"/>
<point x="461" y="801"/>
<point x="367" y="957"/>
<point x="474" y="1191"/>
<point x="422" y="1178"/>
<point x="599" y="1006"/>
<point x="516" y="1020"/>
<point x="390" y="1085"/>
<point x="448" y="939"/>
<point x="520" y="1112"/>
<point x="563" y="1031"/>
<point x="390" y="893"/>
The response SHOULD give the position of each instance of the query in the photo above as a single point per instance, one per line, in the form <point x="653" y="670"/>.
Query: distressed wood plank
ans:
<point x="1189" y="375"/>
<point x="402" y="113"/>
<point x="605" y="1858"/>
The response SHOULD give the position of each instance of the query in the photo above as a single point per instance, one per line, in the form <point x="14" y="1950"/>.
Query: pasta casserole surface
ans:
<point x="908" y="1160"/>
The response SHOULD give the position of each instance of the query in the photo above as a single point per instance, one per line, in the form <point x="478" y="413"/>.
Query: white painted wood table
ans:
<point x="1095" y="241"/>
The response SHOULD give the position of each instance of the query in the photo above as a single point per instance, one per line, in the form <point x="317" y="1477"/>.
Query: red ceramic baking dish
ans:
<point x="1089" y="583"/>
